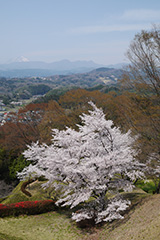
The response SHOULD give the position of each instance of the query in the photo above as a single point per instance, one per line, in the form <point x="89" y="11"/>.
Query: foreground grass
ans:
<point x="141" y="223"/>
<point x="46" y="226"/>
<point x="6" y="237"/>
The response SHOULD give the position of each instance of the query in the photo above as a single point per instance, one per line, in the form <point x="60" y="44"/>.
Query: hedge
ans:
<point x="27" y="207"/>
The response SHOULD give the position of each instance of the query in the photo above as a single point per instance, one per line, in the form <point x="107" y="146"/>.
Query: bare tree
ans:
<point x="142" y="110"/>
<point x="144" y="55"/>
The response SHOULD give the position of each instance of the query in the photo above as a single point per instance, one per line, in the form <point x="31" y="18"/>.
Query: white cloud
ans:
<point x="130" y="20"/>
<point x="108" y="28"/>
<point x="141" y="15"/>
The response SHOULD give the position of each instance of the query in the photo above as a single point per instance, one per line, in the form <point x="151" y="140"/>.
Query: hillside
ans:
<point x="141" y="223"/>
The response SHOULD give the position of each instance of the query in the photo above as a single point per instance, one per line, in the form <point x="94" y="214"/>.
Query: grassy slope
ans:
<point x="142" y="222"/>
<point x="38" y="193"/>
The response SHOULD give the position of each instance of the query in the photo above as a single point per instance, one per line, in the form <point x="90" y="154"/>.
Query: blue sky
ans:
<point x="52" y="30"/>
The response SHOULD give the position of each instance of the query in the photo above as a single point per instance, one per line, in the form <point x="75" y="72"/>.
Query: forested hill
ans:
<point x="23" y="86"/>
<point x="104" y="76"/>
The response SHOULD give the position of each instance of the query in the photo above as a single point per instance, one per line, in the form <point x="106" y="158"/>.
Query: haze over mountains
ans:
<point x="22" y="67"/>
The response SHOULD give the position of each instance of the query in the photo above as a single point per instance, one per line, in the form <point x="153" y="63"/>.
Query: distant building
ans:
<point x="16" y="103"/>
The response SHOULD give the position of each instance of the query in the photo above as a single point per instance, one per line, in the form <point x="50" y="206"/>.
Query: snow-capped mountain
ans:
<point x="21" y="59"/>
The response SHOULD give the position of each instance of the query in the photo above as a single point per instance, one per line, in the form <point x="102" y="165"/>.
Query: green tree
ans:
<point x="17" y="165"/>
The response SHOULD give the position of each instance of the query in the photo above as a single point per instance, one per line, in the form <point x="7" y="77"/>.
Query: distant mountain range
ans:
<point x="22" y="67"/>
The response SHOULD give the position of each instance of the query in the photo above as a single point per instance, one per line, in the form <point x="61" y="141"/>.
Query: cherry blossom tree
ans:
<point x="88" y="166"/>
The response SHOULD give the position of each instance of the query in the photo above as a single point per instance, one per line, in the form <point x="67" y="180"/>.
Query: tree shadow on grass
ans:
<point x="88" y="227"/>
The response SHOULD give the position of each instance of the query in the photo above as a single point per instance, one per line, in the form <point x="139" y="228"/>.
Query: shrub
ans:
<point x="4" y="210"/>
<point x="27" y="207"/>
<point x="147" y="186"/>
